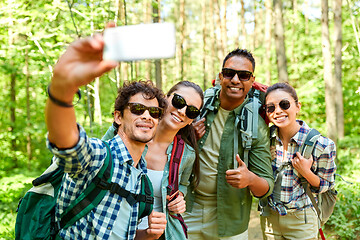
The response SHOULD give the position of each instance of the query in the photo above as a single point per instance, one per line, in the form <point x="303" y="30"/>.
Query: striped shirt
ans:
<point x="293" y="195"/>
<point x="82" y="163"/>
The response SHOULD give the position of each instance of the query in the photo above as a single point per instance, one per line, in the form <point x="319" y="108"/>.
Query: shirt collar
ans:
<point x="124" y="155"/>
<point x="299" y="137"/>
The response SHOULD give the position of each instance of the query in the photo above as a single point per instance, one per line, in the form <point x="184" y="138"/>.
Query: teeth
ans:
<point x="176" y="118"/>
<point x="280" y="118"/>
<point x="235" y="89"/>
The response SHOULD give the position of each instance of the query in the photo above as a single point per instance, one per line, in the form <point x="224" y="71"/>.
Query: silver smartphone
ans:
<point x="139" y="42"/>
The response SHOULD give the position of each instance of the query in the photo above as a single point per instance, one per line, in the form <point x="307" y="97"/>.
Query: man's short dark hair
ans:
<point x="241" y="53"/>
<point x="132" y="88"/>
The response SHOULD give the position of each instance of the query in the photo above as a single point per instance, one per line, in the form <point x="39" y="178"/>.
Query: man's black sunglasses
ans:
<point x="139" y="109"/>
<point x="179" y="102"/>
<point x="284" y="105"/>
<point x="243" y="75"/>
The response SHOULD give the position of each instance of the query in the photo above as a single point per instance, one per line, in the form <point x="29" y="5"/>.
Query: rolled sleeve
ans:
<point x="325" y="153"/>
<point x="74" y="160"/>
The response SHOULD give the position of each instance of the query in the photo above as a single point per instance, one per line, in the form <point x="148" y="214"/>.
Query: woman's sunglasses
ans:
<point x="179" y="102"/>
<point x="139" y="109"/>
<point x="284" y="105"/>
<point x="243" y="75"/>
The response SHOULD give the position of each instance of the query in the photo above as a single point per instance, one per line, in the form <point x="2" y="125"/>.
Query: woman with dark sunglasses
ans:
<point x="291" y="214"/>
<point x="185" y="100"/>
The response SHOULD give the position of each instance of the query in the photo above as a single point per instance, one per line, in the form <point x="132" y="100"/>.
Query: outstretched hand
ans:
<point x="80" y="64"/>
<point x="239" y="177"/>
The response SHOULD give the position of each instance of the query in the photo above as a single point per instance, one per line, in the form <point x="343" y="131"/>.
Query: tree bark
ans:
<point x="156" y="19"/>
<point x="328" y="75"/>
<point x="280" y="43"/>
<point x="204" y="36"/>
<point x="243" y="28"/>
<point x="28" y="118"/>
<point x="338" y="68"/>
<point x="268" y="38"/>
<point x="213" y="56"/>
<point x="182" y="37"/>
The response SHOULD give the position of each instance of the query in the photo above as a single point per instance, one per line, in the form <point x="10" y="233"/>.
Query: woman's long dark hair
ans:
<point x="188" y="132"/>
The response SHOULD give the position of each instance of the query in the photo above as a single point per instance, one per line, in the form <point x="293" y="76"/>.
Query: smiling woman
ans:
<point x="292" y="214"/>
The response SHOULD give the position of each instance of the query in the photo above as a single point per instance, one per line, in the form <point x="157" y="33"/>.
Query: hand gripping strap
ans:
<point x="173" y="187"/>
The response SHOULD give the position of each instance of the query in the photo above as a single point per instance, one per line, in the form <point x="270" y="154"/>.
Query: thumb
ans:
<point x="241" y="163"/>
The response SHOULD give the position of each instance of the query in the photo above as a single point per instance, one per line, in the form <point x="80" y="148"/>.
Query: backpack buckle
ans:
<point x="149" y="199"/>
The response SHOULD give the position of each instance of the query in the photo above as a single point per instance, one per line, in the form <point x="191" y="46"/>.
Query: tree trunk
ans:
<point x="219" y="37"/>
<point x="355" y="27"/>
<point x="243" y="28"/>
<point x="28" y="119"/>
<point x="204" y="36"/>
<point x="268" y="26"/>
<point x="328" y="75"/>
<point x="338" y="69"/>
<point x="213" y="56"/>
<point x="182" y="37"/>
<point x="223" y="27"/>
<point x="256" y="27"/>
<point x="156" y="19"/>
<point x="280" y="43"/>
<point x="237" y="29"/>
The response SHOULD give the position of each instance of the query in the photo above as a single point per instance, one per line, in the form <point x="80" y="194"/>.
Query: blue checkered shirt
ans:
<point x="82" y="163"/>
<point x="293" y="195"/>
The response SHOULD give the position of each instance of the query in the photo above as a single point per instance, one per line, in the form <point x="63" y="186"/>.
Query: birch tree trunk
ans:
<point x="280" y="43"/>
<point x="156" y="19"/>
<point x="204" y="36"/>
<point x="338" y="68"/>
<point x="328" y="75"/>
<point x="268" y="38"/>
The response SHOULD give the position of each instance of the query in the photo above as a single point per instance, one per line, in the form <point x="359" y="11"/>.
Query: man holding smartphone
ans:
<point x="219" y="207"/>
<point x="138" y="109"/>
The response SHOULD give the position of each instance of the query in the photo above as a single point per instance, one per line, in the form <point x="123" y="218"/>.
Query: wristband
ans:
<point x="59" y="102"/>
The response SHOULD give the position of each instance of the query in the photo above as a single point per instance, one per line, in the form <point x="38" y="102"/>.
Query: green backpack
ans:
<point x="36" y="212"/>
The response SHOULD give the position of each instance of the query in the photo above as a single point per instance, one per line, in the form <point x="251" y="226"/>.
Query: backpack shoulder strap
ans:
<point x="309" y="143"/>
<point x="146" y="206"/>
<point x="247" y="123"/>
<point x="92" y="195"/>
<point x="175" y="160"/>
<point x="209" y="97"/>
<point x="306" y="150"/>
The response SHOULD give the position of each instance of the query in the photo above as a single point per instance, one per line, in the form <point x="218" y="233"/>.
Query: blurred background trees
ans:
<point x="313" y="45"/>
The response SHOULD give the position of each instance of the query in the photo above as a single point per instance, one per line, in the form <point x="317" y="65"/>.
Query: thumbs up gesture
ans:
<point x="239" y="177"/>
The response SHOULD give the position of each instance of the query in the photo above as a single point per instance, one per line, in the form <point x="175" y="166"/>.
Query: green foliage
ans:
<point x="345" y="221"/>
<point x="12" y="188"/>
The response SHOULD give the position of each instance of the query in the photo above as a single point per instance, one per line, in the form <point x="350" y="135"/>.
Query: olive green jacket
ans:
<point x="234" y="205"/>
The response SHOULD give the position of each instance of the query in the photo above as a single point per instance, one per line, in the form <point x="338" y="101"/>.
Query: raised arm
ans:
<point x="80" y="64"/>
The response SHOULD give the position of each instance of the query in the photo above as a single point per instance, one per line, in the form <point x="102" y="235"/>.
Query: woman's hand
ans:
<point x="178" y="205"/>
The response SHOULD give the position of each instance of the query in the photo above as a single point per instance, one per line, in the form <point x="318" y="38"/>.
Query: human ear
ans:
<point x="117" y="117"/>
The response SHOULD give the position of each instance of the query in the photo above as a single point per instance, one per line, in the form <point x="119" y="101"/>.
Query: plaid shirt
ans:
<point x="293" y="195"/>
<point x="82" y="163"/>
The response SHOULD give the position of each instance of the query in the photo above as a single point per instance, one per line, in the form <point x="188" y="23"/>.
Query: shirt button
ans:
<point x="119" y="200"/>
<point x="109" y="228"/>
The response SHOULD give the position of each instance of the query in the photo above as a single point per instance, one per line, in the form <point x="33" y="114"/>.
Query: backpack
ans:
<point x="36" y="211"/>
<point x="326" y="200"/>
<point x="247" y="121"/>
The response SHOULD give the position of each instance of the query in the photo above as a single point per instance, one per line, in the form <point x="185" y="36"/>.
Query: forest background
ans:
<point x="313" y="45"/>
